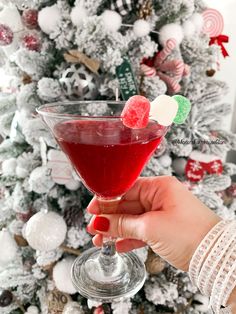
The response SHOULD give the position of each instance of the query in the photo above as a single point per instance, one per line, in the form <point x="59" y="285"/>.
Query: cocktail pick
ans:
<point x="164" y="110"/>
<point x="183" y="110"/>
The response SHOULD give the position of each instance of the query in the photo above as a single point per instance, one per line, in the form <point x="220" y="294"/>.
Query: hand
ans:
<point x="159" y="212"/>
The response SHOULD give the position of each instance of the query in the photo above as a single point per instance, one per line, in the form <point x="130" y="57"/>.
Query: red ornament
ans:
<point x="99" y="310"/>
<point x="194" y="170"/>
<point x="30" y="18"/>
<point x="6" y="35"/>
<point x="31" y="41"/>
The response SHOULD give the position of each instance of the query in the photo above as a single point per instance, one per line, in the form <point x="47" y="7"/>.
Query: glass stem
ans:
<point x="108" y="257"/>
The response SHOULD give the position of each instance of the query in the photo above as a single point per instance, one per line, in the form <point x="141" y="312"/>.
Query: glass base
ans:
<point x="121" y="277"/>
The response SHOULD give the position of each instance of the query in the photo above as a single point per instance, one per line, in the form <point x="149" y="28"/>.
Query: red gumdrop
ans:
<point x="30" y="18"/>
<point x="135" y="114"/>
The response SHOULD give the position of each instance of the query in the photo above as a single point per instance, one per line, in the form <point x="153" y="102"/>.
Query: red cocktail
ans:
<point x="106" y="154"/>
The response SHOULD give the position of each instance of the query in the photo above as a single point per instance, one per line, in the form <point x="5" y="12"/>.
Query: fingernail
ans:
<point x="101" y="224"/>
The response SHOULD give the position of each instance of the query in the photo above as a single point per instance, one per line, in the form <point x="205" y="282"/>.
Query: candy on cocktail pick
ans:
<point x="164" y="109"/>
<point x="184" y="109"/>
<point x="135" y="114"/>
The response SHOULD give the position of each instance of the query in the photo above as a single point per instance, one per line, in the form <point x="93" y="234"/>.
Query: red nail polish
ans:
<point x="101" y="224"/>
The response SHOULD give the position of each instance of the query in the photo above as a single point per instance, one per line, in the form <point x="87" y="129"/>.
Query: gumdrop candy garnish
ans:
<point x="184" y="109"/>
<point x="164" y="109"/>
<point x="135" y="114"/>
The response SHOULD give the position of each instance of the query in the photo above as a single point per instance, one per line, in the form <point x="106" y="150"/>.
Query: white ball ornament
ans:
<point x="198" y="21"/>
<point x="45" y="231"/>
<point x="165" y="161"/>
<point x="78" y="15"/>
<point x="8" y="248"/>
<point x="61" y="276"/>
<point x="73" y="185"/>
<point x="111" y="20"/>
<point x="141" y="28"/>
<point x="169" y="31"/>
<point x="188" y="28"/>
<point x="49" y="18"/>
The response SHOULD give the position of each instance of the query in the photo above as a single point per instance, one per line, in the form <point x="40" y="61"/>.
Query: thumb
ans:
<point x="121" y="226"/>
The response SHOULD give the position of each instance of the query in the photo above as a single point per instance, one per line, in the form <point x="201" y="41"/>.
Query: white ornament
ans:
<point x="32" y="310"/>
<point x="73" y="308"/>
<point x="12" y="18"/>
<point x="165" y="161"/>
<point x="198" y="21"/>
<point x="61" y="168"/>
<point x="111" y="20"/>
<point x="73" y="185"/>
<point x="164" y="109"/>
<point x="40" y="180"/>
<point x="78" y="15"/>
<point x="45" y="231"/>
<point x="8" y="248"/>
<point x="188" y="28"/>
<point x="49" y="18"/>
<point x="141" y="28"/>
<point x="9" y="167"/>
<point x="169" y="31"/>
<point x="61" y="276"/>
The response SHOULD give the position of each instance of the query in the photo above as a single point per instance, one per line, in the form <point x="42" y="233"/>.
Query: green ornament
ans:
<point x="184" y="109"/>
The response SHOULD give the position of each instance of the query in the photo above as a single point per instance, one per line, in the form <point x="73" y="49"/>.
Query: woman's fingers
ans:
<point x="122" y="245"/>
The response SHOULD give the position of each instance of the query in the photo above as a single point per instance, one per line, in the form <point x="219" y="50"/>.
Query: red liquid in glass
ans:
<point x="107" y="155"/>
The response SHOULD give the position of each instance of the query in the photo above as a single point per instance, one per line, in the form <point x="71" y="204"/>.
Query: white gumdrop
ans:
<point x="169" y="31"/>
<point x="141" y="28"/>
<point x="78" y="15"/>
<point x="164" y="109"/>
<point x="188" y="28"/>
<point x="197" y="20"/>
<point x="112" y="20"/>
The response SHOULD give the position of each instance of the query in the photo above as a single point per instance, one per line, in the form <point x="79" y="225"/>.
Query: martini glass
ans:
<point x="108" y="157"/>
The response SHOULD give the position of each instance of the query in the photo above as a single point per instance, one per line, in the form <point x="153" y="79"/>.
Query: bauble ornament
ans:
<point x="179" y="165"/>
<point x="45" y="231"/>
<point x="78" y="15"/>
<point x="32" y="41"/>
<point x="49" y="18"/>
<point x="6" y="35"/>
<point x="141" y="28"/>
<point x="111" y="20"/>
<point x="78" y="83"/>
<point x="61" y="275"/>
<point x="170" y="31"/>
<point x="30" y="18"/>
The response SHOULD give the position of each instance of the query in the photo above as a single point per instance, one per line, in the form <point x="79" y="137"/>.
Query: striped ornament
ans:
<point x="148" y="71"/>
<point x="163" y="54"/>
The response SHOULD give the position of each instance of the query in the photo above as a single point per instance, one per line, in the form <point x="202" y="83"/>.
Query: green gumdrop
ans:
<point x="184" y="109"/>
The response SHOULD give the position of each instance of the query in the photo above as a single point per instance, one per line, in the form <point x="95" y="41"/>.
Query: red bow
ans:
<point x="195" y="170"/>
<point x="219" y="40"/>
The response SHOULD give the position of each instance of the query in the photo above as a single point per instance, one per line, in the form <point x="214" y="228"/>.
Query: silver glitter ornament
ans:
<point x="78" y="83"/>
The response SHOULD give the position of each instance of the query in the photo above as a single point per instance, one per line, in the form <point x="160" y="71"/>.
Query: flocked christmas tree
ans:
<point x="56" y="50"/>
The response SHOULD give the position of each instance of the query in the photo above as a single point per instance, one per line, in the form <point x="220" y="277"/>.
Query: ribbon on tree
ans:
<point x="220" y="40"/>
<point x="75" y="56"/>
<point x="170" y="71"/>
